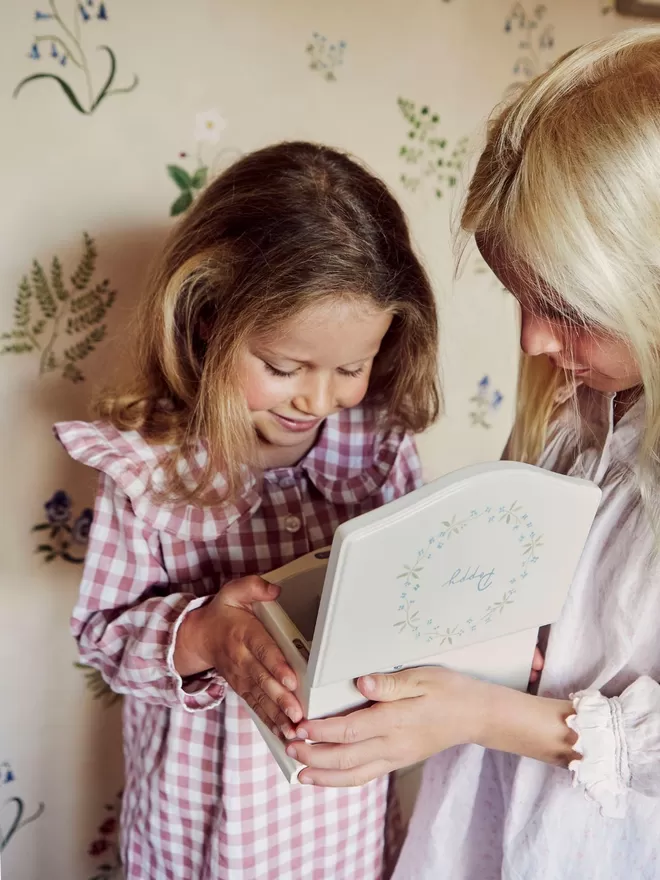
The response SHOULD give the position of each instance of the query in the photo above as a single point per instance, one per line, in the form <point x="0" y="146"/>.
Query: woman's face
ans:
<point x="596" y="359"/>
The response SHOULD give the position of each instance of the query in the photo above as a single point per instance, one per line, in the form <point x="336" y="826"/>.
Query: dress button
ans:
<point x="292" y="523"/>
<point x="287" y="483"/>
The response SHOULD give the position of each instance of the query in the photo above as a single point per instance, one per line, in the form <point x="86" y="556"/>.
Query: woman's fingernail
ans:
<point x="275" y="729"/>
<point x="306" y="780"/>
<point x="293" y="714"/>
<point x="368" y="683"/>
<point x="289" y="683"/>
<point x="302" y="734"/>
<point x="288" y="732"/>
<point x="291" y="752"/>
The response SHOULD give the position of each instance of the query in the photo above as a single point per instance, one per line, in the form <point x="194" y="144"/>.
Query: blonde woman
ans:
<point x="286" y="352"/>
<point x="565" y="785"/>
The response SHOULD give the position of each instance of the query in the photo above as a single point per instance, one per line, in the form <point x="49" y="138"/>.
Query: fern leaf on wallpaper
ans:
<point x="60" y="312"/>
<point x="81" y="277"/>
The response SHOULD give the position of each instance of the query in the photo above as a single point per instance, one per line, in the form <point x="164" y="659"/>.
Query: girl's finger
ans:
<point x="537" y="662"/>
<point x="339" y="757"/>
<point x="344" y="778"/>
<point x="263" y="647"/>
<point x="267" y="711"/>
<point x="286" y="705"/>
<point x="355" y="727"/>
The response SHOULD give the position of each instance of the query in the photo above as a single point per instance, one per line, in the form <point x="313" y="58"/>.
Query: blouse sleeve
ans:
<point x="619" y="740"/>
<point x="127" y="616"/>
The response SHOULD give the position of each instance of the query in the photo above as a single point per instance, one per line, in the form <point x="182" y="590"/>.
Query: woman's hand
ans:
<point x="226" y="635"/>
<point x="419" y="712"/>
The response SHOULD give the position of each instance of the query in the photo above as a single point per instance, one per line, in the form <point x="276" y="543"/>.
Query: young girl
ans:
<point x="287" y="348"/>
<point x="565" y="207"/>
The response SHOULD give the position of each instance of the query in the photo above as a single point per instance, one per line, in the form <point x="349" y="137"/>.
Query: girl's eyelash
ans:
<point x="280" y="373"/>
<point x="283" y="375"/>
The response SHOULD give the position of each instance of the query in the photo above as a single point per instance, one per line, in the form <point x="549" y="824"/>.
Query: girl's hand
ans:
<point x="421" y="711"/>
<point x="426" y="710"/>
<point x="225" y="635"/>
<point x="537" y="666"/>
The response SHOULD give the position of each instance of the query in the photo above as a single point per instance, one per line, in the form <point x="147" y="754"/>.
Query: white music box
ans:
<point x="460" y="573"/>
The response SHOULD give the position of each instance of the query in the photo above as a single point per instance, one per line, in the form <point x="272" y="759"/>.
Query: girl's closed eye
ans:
<point x="282" y="374"/>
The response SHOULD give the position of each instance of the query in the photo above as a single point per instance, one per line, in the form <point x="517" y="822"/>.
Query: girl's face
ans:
<point x="316" y="364"/>
<point x="596" y="359"/>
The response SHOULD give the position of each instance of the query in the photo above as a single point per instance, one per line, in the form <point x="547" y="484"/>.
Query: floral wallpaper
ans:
<point x="116" y="116"/>
<point x="63" y="42"/>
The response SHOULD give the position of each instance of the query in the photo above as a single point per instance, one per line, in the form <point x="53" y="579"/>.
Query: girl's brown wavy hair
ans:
<point x="280" y="230"/>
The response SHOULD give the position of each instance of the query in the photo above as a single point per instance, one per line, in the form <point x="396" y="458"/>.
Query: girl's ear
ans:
<point x="204" y="331"/>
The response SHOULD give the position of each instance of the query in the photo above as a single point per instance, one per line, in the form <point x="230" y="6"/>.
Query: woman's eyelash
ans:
<point x="353" y="373"/>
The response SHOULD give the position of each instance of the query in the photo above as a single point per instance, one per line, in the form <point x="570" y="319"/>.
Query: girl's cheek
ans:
<point x="261" y="391"/>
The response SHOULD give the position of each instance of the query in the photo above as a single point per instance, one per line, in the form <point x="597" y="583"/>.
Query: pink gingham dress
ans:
<point x="203" y="798"/>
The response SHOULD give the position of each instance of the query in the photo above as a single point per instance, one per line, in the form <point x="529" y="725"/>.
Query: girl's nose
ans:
<point x="539" y="336"/>
<point x="316" y="398"/>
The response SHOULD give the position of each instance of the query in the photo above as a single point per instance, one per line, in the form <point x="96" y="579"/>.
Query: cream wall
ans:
<point x="248" y="66"/>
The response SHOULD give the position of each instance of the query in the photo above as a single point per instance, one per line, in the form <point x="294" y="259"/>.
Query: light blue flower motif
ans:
<point x="34" y="52"/>
<point x="102" y="14"/>
<point x="42" y="16"/>
<point x="83" y="12"/>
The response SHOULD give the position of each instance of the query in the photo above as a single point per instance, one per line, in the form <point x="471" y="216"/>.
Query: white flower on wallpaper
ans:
<point x="194" y="169"/>
<point x="209" y="127"/>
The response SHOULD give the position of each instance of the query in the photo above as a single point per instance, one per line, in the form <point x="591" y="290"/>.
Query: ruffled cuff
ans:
<point x="197" y="692"/>
<point x="604" y="768"/>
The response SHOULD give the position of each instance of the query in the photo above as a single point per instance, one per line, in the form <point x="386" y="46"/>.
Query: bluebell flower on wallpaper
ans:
<point x="68" y="44"/>
<point x="46" y="311"/>
<point x="485" y="403"/>
<point x="325" y="57"/>
<point x="13" y="814"/>
<point x="203" y="163"/>
<point x="535" y="40"/>
<point x="105" y="845"/>
<point x="67" y="538"/>
<point x="429" y="158"/>
<point x="6" y="773"/>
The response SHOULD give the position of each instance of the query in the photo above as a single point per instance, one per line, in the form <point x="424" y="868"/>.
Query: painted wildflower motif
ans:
<point x="97" y="685"/>
<point x="428" y="157"/>
<point x="14" y="816"/>
<point x="76" y="311"/>
<point x="535" y="40"/>
<point x="485" y="403"/>
<point x="67" y="537"/>
<point x="325" y="57"/>
<point x="105" y="848"/>
<point x="65" y="45"/>
<point x="423" y="626"/>
<point x="203" y="164"/>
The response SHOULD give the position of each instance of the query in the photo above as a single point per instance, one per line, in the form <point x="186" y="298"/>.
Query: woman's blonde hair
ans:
<point x="568" y="186"/>
<point x="278" y="231"/>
